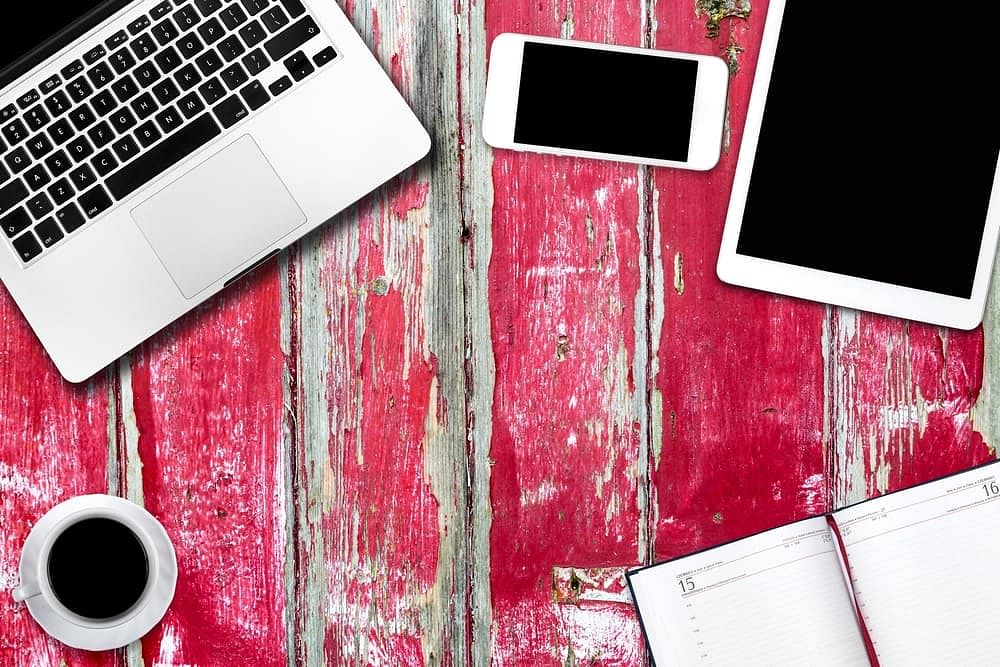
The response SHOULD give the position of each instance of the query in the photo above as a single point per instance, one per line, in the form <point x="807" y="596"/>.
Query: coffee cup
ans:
<point x="97" y="572"/>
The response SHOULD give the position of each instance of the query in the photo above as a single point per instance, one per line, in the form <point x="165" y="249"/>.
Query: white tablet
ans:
<point x="868" y="176"/>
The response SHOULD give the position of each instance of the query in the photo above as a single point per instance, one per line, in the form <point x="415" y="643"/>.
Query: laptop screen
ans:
<point x="35" y="27"/>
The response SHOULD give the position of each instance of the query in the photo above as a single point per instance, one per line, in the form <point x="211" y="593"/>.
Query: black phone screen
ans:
<point x="603" y="101"/>
<point x="878" y="147"/>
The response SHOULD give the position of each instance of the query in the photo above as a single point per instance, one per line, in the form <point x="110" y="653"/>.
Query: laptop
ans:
<point x="154" y="151"/>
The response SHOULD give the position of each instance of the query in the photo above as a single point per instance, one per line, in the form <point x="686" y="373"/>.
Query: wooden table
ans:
<point x="437" y="431"/>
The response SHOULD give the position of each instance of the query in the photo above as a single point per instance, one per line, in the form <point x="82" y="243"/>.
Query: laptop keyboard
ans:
<point x="124" y="111"/>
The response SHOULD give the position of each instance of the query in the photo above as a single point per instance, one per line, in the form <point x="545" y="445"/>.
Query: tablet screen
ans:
<point x="878" y="147"/>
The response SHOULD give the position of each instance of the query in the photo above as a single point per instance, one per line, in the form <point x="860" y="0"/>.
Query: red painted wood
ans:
<point x="910" y="389"/>
<point x="379" y="518"/>
<point x="565" y="274"/>
<point x="741" y="372"/>
<point x="53" y="446"/>
<point x="209" y="409"/>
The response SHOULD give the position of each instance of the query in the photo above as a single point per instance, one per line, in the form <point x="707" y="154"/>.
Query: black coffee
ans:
<point x="98" y="568"/>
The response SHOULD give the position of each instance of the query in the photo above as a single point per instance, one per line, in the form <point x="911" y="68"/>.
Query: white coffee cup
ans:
<point x="99" y="514"/>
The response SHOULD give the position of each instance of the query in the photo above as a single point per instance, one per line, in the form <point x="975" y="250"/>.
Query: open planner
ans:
<point x="909" y="578"/>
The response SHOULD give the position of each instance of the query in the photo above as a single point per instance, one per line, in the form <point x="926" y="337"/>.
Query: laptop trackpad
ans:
<point x="219" y="217"/>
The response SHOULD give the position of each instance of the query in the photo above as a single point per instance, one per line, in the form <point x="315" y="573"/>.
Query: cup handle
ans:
<point x="25" y="591"/>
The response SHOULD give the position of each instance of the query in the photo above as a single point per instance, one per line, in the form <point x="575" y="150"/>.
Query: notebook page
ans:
<point x="926" y="570"/>
<point x="777" y="598"/>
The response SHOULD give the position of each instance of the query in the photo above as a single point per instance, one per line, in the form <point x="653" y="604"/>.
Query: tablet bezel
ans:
<point x="824" y="286"/>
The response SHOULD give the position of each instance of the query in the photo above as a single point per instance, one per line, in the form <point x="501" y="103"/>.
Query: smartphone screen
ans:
<point x="878" y="148"/>
<point x="606" y="102"/>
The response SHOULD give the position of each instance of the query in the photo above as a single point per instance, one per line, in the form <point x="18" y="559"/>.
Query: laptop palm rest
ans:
<point x="218" y="217"/>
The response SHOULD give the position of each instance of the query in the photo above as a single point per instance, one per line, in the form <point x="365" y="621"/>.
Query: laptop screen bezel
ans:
<point x="58" y="41"/>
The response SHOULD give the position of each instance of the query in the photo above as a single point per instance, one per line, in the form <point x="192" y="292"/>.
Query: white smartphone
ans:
<point x="627" y="104"/>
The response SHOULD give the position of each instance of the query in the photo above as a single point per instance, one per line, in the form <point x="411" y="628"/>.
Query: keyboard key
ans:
<point x="148" y="134"/>
<point x="28" y="98"/>
<point x="231" y="48"/>
<point x="95" y="54"/>
<point x="211" y="31"/>
<point x="186" y="18"/>
<point x="294" y="8"/>
<point x="125" y="88"/>
<point x="326" y="55"/>
<point x="274" y="19"/>
<point x="71" y="70"/>
<point x="17" y="160"/>
<point x="255" y="95"/>
<point x="101" y="134"/>
<point x="4" y="175"/>
<point x="94" y="202"/>
<point x="144" y="106"/>
<point x="138" y="25"/>
<point x="168" y="60"/>
<point x="212" y="90"/>
<point x="116" y="39"/>
<point x="166" y="91"/>
<point x="187" y="77"/>
<point x="104" y="162"/>
<point x="291" y="38"/>
<point x="58" y="104"/>
<point x="144" y="46"/>
<point x="280" y="86"/>
<point x="208" y="7"/>
<point x="255" y="6"/>
<point x="104" y="102"/>
<point x="61" y="191"/>
<point x="146" y="74"/>
<point x="49" y="232"/>
<point x="61" y="132"/>
<point x="58" y="163"/>
<point x="160" y="10"/>
<point x="122" y="61"/>
<point x="122" y="120"/>
<point x="191" y="105"/>
<point x="79" y="89"/>
<point x="168" y="120"/>
<point x="36" y="118"/>
<point x="233" y="16"/>
<point x="100" y="75"/>
<point x="165" y="32"/>
<point x="83" y="177"/>
<point x="125" y="148"/>
<point x="256" y="62"/>
<point x="27" y="247"/>
<point x="11" y="195"/>
<point x="16" y="222"/>
<point x="230" y="111"/>
<point x="80" y="149"/>
<point x="190" y="46"/>
<point x="40" y="146"/>
<point x="208" y="62"/>
<point x="253" y="34"/>
<point x="70" y="218"/>
<point x="15" y="132"/>
<point x="37" y="177"/>
<point x="50" y="84"/>
<point x="164" y="155"/>
<point x="234" y="76"/>
<point x="40" y="206"/>
<point x="298" y="66"/>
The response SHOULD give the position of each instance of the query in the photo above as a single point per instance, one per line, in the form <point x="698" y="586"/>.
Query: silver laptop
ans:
<point x="154" y="151"/>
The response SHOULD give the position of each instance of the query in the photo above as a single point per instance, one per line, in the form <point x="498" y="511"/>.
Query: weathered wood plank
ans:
<point x="54" y="443"/>
<point x="568" y="305"/>
<point x="740" y="373"/>
<point x="202" y="428"/>
<point x="378" y="309"/>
